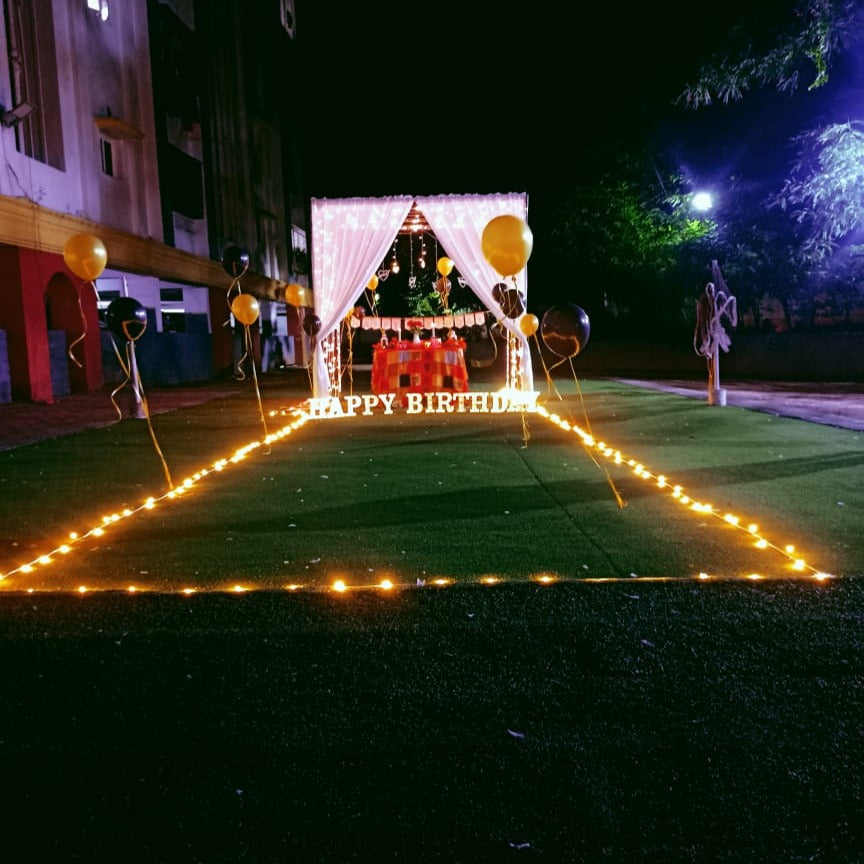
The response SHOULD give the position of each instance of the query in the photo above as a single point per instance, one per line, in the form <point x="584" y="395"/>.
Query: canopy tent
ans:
<point x="351" y="236"/>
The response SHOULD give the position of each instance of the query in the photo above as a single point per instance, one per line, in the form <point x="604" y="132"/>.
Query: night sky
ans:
<point x="473" y="97"/>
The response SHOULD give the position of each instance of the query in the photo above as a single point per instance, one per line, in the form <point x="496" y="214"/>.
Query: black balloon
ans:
<point x="498" y="291"/>
<point x="311" y="324"/>
<point x="512" y="303"/>
<point x="126" y="318"/>
<point x="235" y="260"/>
<point x="565" y="329"/>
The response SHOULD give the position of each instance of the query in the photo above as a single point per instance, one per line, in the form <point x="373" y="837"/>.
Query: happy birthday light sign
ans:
<point x="499" y="402"/>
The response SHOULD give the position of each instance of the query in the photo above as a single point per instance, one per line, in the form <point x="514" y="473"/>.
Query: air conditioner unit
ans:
<point x="286" y="14"/>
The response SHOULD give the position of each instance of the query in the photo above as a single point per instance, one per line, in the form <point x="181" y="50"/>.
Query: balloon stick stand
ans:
<point x="136" y="410"/>
<point x="717" y="396"/>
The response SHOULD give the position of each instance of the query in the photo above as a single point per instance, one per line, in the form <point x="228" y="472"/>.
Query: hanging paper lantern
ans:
<point x="85" y="256"/>
<point x="245" y="308"/>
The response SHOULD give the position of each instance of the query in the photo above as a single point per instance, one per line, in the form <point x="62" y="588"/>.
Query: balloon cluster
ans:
<point x="507" y="244"/>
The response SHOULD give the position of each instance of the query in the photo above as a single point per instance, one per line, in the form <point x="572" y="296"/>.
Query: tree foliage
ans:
<point x="825" y="192"/>
<point x="816" y="244"/>
<point x="761" y="52"/>
<point x="627" y="234"/>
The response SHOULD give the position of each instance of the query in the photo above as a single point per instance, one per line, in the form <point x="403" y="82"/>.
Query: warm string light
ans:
<point x="676" y="492"/>
<point x="188" y="485"/>
<point x="302" y="413"/>
<point x="387" y="585"/>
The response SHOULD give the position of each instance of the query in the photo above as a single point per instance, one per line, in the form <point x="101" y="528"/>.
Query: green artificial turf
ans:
<point x="419" y="497"/>
<point x="581" y="721"/>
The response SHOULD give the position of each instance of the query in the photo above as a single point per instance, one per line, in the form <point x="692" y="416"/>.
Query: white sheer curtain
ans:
<point x="458" y="222"/>
<point x="350" y="237"/>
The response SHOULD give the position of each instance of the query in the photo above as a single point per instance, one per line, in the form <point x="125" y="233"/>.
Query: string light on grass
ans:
<point x="299" y="418"/>
<point x="475" y="402"/>
<point x="795" y="562"/>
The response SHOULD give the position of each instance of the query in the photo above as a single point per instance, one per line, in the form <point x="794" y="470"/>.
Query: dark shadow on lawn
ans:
<point x="758" y="472"/>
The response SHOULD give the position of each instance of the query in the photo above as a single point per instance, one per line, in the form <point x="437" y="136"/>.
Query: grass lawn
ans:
<point x="627" y="711"/>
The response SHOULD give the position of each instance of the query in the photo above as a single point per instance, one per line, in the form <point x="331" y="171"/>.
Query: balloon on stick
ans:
<point x="235" y="261"/>
<point x="311" y="324"/>
<point x="512" y="303"/>
<point x="507" y="243"/>
<point x="295" y="294"/>
<point x="529" y="323"/>
<point x="245" y="308"/>
<point x="126" y="318"/>
<point x="85" y="256"/>
<point x="565" y="329"/>
<point x="445" y="265"/>
<point x="498" y="290"/>
<point x="373" y="283"/>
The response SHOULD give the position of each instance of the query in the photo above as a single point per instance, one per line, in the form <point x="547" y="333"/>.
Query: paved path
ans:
<point x="832" y="404"/>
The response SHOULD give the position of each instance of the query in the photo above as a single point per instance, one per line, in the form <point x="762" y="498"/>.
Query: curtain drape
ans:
<point x="350" y="237"/>
<point x="458" y="222"/>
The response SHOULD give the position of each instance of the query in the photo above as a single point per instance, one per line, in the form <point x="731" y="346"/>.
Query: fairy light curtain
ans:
<point x="458" y="222"/>
<point x="351" y="236"/>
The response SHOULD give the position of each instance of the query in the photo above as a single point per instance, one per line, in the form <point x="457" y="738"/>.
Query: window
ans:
<point x="33" y="78"/>
<point x="107" y="157"/>
<point x="173" y="320"/>
<point x="100" y="7"/>
<point x="105" y="298"/>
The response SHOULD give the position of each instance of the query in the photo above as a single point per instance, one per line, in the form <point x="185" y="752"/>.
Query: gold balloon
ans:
<point x="507" y="243"/>
<point x="445" y="265"/>
<point x="245" y="308"/>
<point x="85" y="256"/>
<point x="529" y="323"/>
<point x="373" y="283"/>
<point x="295" y="294"/>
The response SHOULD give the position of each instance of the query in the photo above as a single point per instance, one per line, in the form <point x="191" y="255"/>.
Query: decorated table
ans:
<point x="419" y="367"/>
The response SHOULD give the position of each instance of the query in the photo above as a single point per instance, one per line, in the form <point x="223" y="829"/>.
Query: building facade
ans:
<point x="165" y="129"/>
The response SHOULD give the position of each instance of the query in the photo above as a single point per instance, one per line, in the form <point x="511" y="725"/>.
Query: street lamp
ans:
<point x="703" y="201"/>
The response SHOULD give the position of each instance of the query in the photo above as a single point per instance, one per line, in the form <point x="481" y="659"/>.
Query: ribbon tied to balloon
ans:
<point x="85" y="255"/>
<point x="443" y="284"/>
<point x="565" y="330"/>
<point x="126" y="320"/>
<point x="245" y="309"/>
